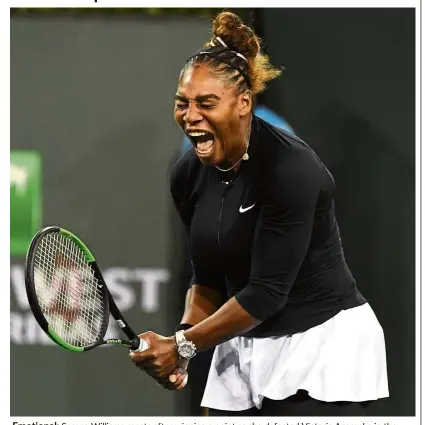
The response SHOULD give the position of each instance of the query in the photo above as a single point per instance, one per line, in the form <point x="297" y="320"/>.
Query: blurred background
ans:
<point x="93" y="139"/>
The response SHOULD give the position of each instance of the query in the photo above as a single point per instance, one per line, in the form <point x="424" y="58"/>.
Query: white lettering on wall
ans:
<point x="17" y="287"/>
<point x="151" y="280"/>
<point x="24" y="330"/>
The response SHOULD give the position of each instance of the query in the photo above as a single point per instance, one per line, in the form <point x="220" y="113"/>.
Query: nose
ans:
<point x="192" y="115"/>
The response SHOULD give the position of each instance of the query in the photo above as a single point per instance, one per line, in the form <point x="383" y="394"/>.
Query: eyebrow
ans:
<point x="198" y="99"/>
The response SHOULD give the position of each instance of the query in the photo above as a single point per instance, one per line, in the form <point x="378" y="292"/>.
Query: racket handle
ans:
<point x="139" y="345"/>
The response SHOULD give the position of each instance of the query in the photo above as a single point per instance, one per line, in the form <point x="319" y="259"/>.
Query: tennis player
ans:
<point x="271" y="290"/>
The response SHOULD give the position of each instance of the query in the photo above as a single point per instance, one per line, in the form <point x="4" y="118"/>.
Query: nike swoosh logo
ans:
<point x="242" y="210"/>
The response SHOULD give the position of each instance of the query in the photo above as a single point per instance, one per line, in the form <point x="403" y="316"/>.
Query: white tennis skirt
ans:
<point x="342" y="359"/>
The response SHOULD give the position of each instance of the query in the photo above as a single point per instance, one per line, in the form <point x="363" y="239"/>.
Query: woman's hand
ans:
<point x="161" y="360"/>
<point x="178" y="379"/>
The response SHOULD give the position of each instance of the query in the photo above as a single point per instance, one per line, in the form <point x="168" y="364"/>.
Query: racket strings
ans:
<point x="67" y="291"/>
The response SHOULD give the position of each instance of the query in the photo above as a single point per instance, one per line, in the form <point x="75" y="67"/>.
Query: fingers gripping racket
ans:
<point x="68" y="295"/>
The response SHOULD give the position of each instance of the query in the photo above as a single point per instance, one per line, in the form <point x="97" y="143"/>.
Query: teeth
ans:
<point x="204" y="152"/>
<point x="197" y="133"/>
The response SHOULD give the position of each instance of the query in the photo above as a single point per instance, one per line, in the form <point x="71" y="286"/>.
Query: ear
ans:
<point x="245" y="103"/>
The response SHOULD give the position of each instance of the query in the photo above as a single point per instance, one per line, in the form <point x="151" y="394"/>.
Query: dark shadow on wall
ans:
<point x="375" y="207"/>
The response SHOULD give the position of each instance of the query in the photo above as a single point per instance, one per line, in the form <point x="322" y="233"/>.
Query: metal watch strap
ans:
<point x="180" y="337"/>
<point x="185" y="348"/>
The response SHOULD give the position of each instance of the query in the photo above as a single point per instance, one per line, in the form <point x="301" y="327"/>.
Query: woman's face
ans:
<point x="211" y="113"/>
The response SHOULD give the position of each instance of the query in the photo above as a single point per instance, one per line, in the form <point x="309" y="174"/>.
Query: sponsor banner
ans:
<point x="25" y="199"/>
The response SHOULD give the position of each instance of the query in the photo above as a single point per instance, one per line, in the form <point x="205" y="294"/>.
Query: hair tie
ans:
<point x="221" y="42"/>
<point x="227" y="47"/>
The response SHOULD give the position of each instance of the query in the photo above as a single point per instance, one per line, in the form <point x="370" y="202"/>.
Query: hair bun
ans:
<point x="236" y="35"/>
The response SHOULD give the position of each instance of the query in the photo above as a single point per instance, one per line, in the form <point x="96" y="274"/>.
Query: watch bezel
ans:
<point x="184" y="345"/>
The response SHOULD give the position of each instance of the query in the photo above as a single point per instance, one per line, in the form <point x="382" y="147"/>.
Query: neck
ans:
<point x="234" y="158"/>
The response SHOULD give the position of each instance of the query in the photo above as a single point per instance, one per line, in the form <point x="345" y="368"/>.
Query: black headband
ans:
<point x="225" y="55"/>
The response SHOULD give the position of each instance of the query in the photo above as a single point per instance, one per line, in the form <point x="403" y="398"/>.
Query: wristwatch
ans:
<point x="185" y="348"/>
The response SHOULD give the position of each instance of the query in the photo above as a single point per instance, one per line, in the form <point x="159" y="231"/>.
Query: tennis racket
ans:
<point x="68" y="295"/>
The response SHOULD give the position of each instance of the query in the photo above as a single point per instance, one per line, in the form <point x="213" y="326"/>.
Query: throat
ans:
<point x="234" y="163"/>
<point x="229" y="167"/>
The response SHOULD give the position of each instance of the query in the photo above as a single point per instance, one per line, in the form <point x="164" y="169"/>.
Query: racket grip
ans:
<point x="141" y="345"/>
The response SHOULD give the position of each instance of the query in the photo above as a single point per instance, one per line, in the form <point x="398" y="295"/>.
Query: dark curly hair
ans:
<point x="234" y="55"/>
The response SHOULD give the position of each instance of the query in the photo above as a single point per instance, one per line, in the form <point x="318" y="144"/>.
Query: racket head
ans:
<point x="65" y="290"/>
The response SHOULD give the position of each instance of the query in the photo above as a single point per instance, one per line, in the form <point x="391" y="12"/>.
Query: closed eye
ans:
<point x="181" y="106"/>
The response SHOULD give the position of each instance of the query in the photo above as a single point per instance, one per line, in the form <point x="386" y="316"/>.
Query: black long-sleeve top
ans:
<point x="269" y="237"/>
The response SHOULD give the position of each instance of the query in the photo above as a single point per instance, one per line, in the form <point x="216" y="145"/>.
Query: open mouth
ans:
<point x="202" y="141"/>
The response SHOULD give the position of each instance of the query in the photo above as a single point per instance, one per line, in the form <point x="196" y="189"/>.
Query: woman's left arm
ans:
<point x="281" y="240"/>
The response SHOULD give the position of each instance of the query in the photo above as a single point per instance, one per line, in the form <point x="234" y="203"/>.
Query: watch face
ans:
<point x="186" y="350"/>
